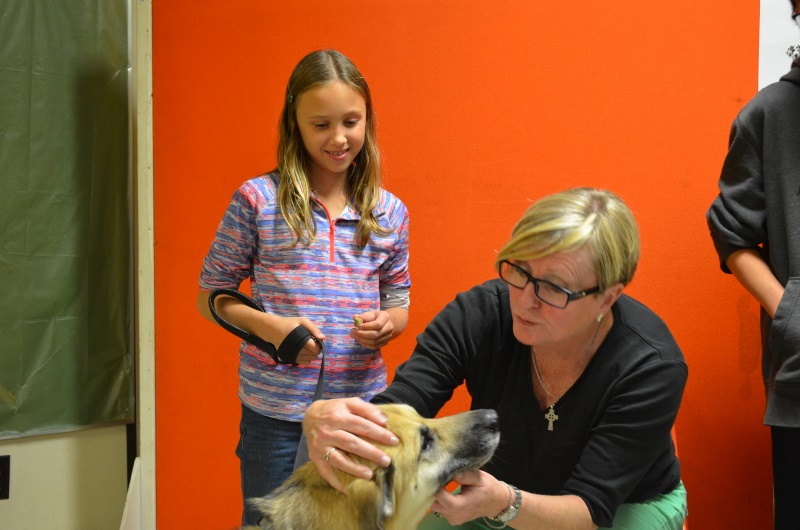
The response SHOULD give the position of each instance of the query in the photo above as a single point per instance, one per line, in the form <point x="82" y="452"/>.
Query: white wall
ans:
<point x="777" y="33"/>
<point x="71" y="481"/>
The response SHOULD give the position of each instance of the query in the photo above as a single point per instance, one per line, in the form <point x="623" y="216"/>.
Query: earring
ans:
<point x="600" y="318"/>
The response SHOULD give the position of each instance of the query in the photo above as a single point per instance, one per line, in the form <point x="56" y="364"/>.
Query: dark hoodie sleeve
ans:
<point x="737" y="217"/>
<point x="759" y="177"/>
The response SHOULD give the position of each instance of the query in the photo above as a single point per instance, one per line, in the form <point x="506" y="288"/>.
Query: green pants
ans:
<point x="662" y="512"/>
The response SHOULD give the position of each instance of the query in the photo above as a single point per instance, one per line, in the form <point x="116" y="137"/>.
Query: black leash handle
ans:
<point x="287" y="352"/>
<point x="239" y="332"/>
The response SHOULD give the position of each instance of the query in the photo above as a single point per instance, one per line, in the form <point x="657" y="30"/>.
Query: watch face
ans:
<point x="509" y="514"/>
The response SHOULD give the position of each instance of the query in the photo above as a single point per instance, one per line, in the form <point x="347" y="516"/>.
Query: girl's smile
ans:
<point x="339" y="155"/>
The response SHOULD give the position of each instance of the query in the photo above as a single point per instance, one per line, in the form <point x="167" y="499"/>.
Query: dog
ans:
<point x="430" y="453"/>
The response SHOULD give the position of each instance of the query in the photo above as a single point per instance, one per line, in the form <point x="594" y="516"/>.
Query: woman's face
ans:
<point x="539" y="324"/>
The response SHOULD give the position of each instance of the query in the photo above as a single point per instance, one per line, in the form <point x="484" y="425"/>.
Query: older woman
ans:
<point x="586" y="380"/>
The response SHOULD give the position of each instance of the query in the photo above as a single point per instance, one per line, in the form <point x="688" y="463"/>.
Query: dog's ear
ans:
<point x="373" y="499"/>
<point x="385" y="478"/>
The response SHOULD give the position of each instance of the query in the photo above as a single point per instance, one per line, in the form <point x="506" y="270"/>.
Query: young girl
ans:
<point x="321" y="243"/>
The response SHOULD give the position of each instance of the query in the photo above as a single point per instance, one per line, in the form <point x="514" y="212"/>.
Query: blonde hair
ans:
<point x="596" y="220"/>
<point x="363" y="185"/>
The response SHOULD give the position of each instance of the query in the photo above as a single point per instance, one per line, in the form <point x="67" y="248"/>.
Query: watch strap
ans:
<point x="514" y="505"/>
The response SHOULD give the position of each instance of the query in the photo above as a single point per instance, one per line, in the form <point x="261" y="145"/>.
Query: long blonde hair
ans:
<point x="572" y="219"/>
<point x="363" y="186"/>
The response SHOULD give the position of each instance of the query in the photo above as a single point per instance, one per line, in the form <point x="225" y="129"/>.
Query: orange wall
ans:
<point x="482" y="107"/>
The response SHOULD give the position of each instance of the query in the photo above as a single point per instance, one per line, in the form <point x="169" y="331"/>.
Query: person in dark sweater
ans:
<point x="755" y="227"/>
<point x="586" y="380"/>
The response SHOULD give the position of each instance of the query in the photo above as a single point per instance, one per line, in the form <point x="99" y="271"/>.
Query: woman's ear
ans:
<point x="610" y="297"/>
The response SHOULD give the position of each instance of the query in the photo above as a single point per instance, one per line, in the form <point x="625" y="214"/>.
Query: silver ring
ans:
<point x="437" y="514"/>
<point x="332" y="449"/>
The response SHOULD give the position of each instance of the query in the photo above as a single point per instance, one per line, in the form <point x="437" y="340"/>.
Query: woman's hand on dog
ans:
<point x="338" y="423"/>
<point x="481" y="495"/>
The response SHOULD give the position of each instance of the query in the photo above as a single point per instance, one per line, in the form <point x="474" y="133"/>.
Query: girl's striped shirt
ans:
<point x="328" y="282"/>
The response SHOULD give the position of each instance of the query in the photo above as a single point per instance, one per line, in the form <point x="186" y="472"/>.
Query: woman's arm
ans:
<point x="422" y="383"/>
<point x="754" y="274"/>
<point x="482" y="495"/>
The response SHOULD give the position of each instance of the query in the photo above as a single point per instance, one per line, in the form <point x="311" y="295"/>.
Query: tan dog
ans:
<point x="430" y="453"/>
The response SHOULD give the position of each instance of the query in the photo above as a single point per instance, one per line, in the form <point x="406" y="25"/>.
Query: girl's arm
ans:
<point x="754" y="274"/>
<point x="269" y="327"/>
<point x="399" y="318"/>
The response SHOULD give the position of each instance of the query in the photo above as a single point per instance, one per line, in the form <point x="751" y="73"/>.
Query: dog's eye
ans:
<point x="427" y="438"/>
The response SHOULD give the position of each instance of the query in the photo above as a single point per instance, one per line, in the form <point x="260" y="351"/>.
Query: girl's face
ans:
<point x="332" y="119"/>
<point x="539" y="324"/>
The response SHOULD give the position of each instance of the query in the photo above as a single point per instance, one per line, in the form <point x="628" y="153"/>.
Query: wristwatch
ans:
<point x="513" y="510"/>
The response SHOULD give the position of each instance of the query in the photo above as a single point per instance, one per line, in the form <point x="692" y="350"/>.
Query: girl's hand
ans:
<point x="375" y="330"/>
<point x="333" y="427"/>
<point x="481" y="495"/>
<point x="311" y="350"/>
<point x="275" y="329"/>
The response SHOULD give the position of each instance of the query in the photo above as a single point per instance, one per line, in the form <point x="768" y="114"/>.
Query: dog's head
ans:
<point x="430" y="453"/>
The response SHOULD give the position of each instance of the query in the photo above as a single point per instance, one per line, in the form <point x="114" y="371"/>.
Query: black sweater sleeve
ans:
<point x="451" y="350"/>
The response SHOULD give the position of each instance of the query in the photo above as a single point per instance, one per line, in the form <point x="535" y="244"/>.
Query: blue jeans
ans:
<point x="266" y="450"/>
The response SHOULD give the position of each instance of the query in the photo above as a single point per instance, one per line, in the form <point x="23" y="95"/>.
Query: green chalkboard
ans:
<point x="66" y="352"/>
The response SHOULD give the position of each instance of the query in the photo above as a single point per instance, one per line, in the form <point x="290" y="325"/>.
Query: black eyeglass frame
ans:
<point x="571" y="295"/>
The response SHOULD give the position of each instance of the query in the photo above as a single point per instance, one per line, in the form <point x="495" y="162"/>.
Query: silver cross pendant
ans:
<point x="551" y="417"/>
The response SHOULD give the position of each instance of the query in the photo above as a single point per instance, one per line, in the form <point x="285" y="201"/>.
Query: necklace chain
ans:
<point x="539" y="377"/>
<point x="585" y="360"/>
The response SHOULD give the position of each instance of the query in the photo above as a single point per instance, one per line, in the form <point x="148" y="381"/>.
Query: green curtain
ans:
<point x="66" y="352"/>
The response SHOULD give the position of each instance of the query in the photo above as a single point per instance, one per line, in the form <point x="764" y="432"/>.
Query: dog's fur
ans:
<point x="430" y="453"/>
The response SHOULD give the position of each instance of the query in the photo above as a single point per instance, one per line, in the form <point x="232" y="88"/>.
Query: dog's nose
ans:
<point x="488" y="419"/>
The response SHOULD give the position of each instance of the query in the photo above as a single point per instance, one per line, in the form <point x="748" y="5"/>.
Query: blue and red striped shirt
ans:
<point x="328" y="282"/>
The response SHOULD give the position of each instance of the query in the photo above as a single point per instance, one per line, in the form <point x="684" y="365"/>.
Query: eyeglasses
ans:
<point x="547" y="292"/>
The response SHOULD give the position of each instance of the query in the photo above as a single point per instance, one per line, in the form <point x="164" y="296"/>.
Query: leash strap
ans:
<point x="288" y="350"/>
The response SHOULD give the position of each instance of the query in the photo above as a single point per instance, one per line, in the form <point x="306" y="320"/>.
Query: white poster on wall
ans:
<point x="777" y="32"/>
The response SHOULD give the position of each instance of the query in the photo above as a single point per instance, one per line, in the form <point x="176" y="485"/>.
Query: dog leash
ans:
<point x="288" y="350"/>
